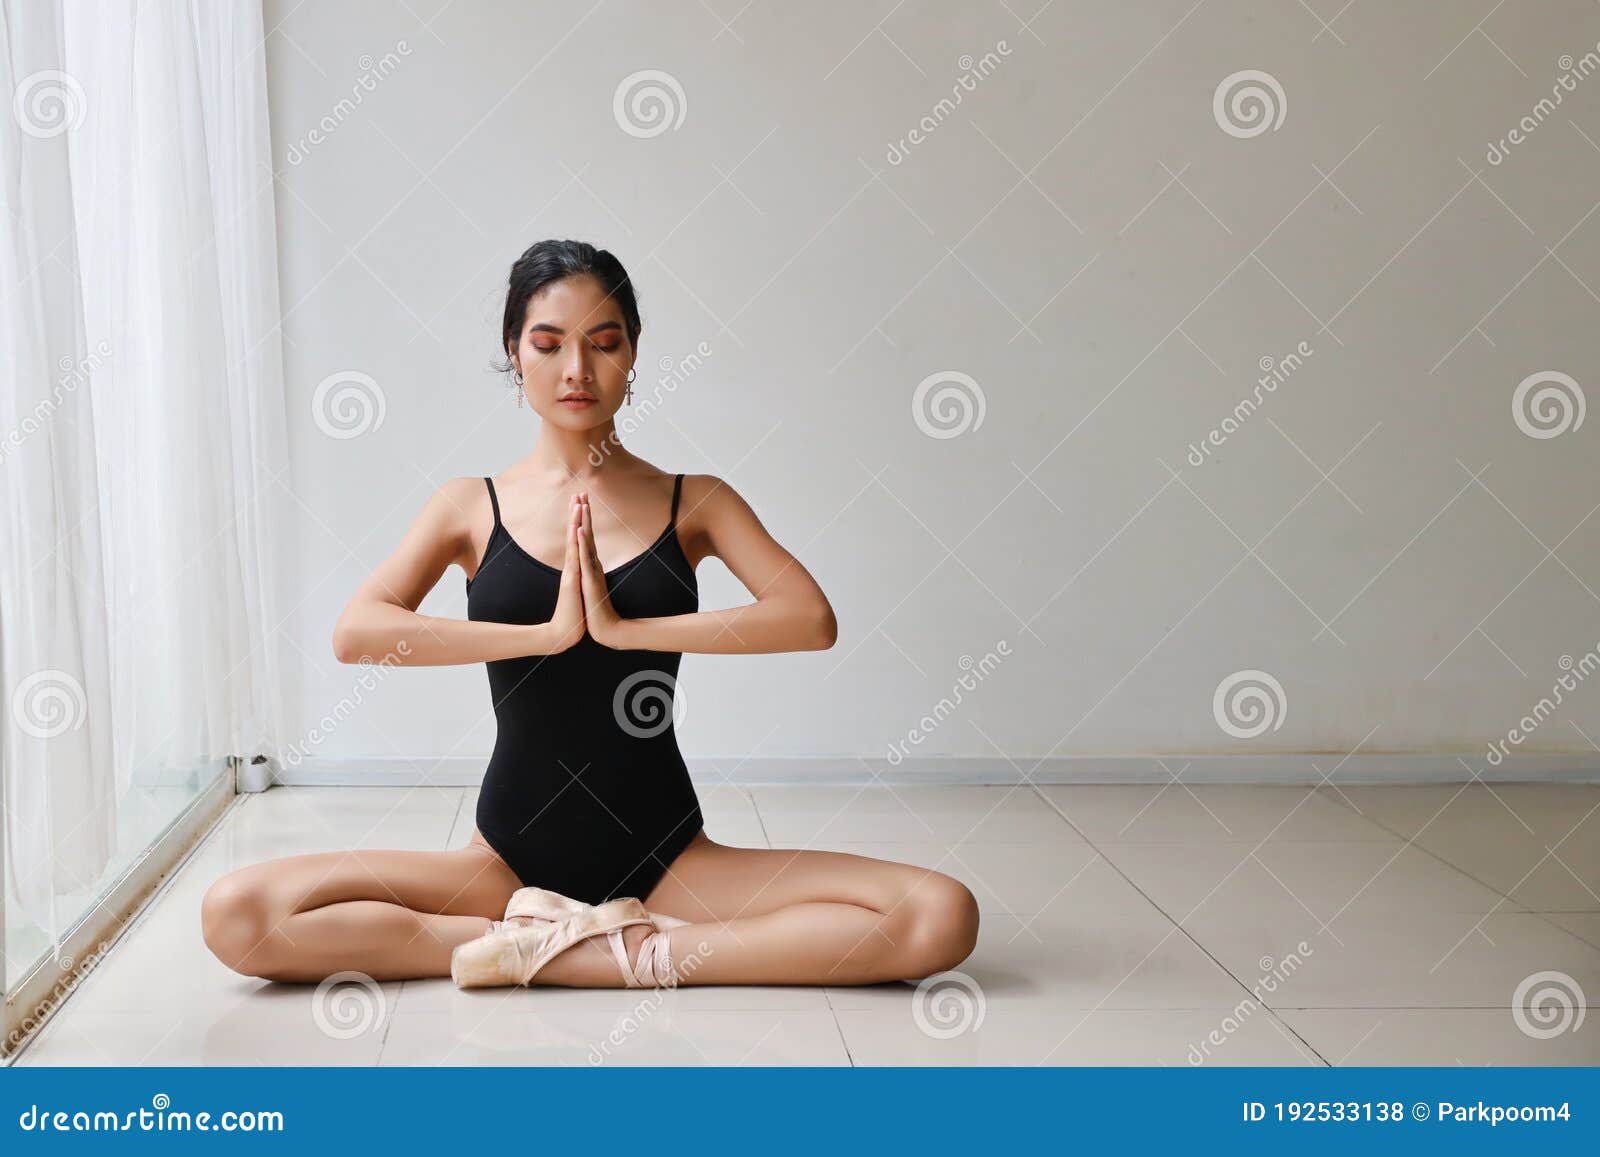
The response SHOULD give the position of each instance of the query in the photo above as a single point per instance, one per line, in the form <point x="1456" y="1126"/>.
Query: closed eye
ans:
<point x="550" y="349"/>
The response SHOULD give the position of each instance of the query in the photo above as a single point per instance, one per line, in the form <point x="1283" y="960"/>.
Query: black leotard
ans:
<point x="586" y="793"/>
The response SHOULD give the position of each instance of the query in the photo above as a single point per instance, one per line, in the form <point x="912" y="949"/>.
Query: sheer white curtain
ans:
<point x="142" y="432"/>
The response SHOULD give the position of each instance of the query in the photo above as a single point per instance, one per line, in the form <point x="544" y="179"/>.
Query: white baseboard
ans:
<point x="1443" y="767"/>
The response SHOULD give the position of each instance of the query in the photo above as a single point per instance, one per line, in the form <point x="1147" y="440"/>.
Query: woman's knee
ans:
<point x="943" y="924"/>
<point x="237" y="919"/>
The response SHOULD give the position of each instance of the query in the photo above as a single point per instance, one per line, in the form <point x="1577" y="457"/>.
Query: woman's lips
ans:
<point x="577" y="403"/>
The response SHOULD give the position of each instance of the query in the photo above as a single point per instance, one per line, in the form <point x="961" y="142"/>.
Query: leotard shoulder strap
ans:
<point x="494" y="501"/>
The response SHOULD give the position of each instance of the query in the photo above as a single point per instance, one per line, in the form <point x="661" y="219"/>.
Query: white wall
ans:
<point x="1083" y="239"/>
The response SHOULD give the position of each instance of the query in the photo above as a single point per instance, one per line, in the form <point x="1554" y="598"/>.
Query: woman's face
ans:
<point x="573" y="353"/>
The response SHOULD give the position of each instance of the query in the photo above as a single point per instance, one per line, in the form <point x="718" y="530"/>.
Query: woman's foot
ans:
<point x="515" y="955"/>
<point x="533" y="938"/>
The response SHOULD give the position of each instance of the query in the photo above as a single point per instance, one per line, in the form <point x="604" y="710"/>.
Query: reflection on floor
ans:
<point x="1137" y="925"/>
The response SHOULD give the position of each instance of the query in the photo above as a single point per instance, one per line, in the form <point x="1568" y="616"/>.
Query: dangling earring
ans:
<point x="519" y="391"/>
<point x="632" y="374"/>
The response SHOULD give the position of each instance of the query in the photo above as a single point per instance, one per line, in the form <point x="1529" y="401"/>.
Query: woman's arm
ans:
<point x="381" y="621"/>
<point x="790" y="612"/>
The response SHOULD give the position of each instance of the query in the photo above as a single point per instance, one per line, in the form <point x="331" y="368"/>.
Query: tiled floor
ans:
<point x="1121" y="925"/>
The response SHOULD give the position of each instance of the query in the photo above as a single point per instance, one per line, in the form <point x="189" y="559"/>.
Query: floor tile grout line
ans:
<point x="1582" y="938"/>
<point x="1395" y="837"/>
<point x="756" y="808"/>
<point x="1295" y="1035"/>
<point x="400" y="993"/>
<point x="388" y="1026"/>
<point x="844" y="1041"/>
<point x="1523" y="909"/>
<point x="1228" y="972"/>
<point x="1391" y="832"/>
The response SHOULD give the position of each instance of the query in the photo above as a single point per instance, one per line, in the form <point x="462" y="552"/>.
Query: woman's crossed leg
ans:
<point x="793" y="916"/>
<point x="755" y="916"/>
<point x="393" y="915"/>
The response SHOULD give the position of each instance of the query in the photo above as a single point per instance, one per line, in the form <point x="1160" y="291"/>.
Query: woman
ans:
<point x="589" y="865"/>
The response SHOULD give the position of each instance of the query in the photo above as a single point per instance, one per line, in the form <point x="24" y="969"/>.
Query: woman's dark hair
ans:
<point x="549" y="261"/>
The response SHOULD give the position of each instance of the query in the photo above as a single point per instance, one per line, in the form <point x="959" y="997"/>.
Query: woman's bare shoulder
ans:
<point x="460" y="516"/>
<point x="712" y="507"/>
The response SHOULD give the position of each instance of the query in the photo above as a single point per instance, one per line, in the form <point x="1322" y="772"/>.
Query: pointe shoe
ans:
<point x="654" y="966"/>
<point x="513" y="955"/>
<point x="500" y="958"/>
<point x="530" y="905"/>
